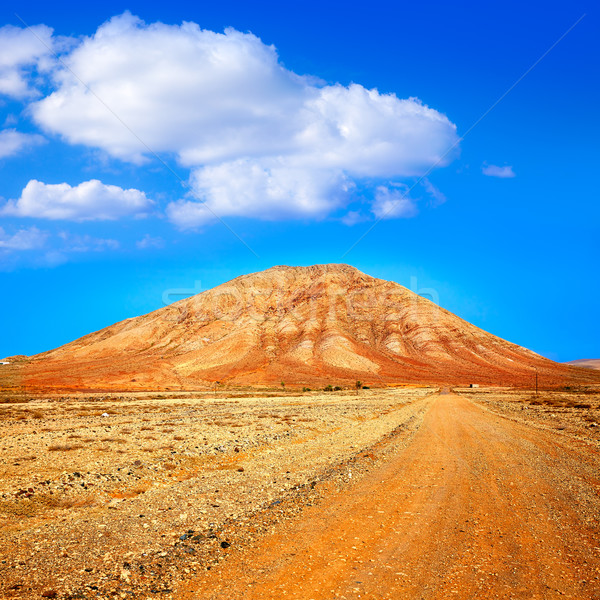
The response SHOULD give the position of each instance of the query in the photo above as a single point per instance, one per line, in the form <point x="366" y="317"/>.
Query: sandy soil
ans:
<point x="103" y="496"/>
<point x="398" y="493"/>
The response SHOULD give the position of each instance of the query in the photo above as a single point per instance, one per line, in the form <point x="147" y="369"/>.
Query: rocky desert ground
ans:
<point x="411" y="492"/>
<point x="128" y="495"/>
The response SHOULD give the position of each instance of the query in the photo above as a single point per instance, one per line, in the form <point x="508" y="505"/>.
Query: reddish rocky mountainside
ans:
<point x="318" y="325"/>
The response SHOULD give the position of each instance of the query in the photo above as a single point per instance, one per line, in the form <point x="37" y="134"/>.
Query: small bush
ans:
<point x="306" y="389"/>
<point x="328" y="388"/>
<point x="366" y="387"/>
<point x="337" y="388"/>
<point x="63" y="448"/>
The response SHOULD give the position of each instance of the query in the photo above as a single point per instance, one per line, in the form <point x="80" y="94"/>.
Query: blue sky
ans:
<point x="303" y="126"/>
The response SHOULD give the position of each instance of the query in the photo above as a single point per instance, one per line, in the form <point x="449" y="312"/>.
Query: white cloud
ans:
<point x="267" y="189"/>
<point x="21" y="51"/>
<point x="149" y="241"/>
<point x="24" y="239"/>
<point x="496" y="171"/>
<point x="260" y="140"/>
<point x="86" y="243"/>
<point x="13" y="141"/>
<point x="437" y="196"/>
<point x="394" y="203"/>
<point x="353" y="217"/>
<point x="89" y="201"/>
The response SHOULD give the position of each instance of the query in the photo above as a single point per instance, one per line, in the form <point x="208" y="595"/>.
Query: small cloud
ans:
<point x="353" y="217"/>
<point x="393" y="203"/>
<point x="150" y="242"/>
<point x="10" y="120"/>
<point x="505" y="172"/>
<point x="53" y="258"/>
<point x="89" y="201"/>
<point x="437" y="196"/>
<point x="86" y="243"/>
<point x="13" y="141"/>
<point x="23" y="50"/>
<point x="24" y="239"/>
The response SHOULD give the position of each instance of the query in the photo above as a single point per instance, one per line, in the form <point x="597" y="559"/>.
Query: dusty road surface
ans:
<point x="476" y="506"/>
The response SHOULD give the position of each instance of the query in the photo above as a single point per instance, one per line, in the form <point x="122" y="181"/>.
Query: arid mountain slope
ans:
<point x="588" y="363"/>
<point x="301" y="325"/>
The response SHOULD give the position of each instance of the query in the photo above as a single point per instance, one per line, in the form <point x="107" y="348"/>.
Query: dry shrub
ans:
<point x="114" y="440"/>
<point x="169" y="466"/>
<point x="64" y="447"/>
<point x="73" y="436"/>
<point x="13" y="400"/>
<point x="146" y="428"/>
<point x="150" y="437"/>
<point x="25" y="458"/>
<point x="179" y="438"/>
<point x="167" y="430"/>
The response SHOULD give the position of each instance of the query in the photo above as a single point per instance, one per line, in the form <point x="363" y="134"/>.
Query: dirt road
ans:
<point x="477" y="506"/>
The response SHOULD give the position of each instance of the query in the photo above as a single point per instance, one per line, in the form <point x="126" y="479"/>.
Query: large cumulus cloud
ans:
<point x="259" y="140"/>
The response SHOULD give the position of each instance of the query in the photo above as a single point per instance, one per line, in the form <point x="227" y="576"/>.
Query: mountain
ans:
<point x="588" y="363"/>
<point x="318" y="325"/>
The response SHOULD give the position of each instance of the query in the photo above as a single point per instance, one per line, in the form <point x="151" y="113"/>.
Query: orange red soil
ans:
<point x="476" y="506"/>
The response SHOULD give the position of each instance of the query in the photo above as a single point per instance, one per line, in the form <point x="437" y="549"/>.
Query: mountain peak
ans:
<point x="318" y="324"/>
